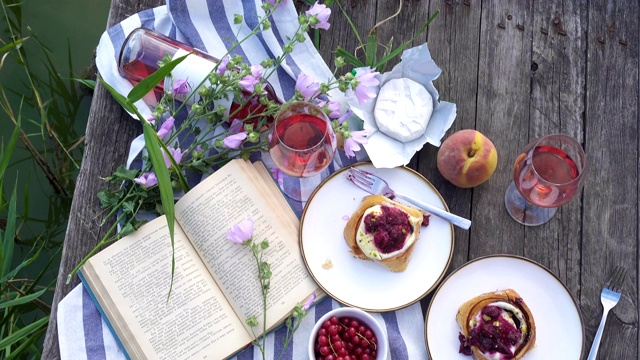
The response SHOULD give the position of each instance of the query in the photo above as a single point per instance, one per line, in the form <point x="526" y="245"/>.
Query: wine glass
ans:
<point x="548" y="173"/>
<point x="302" y="143"/>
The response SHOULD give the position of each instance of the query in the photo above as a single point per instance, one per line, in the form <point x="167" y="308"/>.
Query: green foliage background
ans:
<point x="45" y="46"/>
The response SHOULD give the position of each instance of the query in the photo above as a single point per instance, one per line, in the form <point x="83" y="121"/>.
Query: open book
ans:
<point x="215" y="283"/>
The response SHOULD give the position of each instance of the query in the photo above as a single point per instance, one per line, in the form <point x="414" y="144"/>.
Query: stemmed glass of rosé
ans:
<point x="548" y="173"/>
<point x="302" y="143"/>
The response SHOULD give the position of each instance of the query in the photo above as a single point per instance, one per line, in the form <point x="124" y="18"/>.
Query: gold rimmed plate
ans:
<point x="559" y="326"/>
<point x="365" y="284"/>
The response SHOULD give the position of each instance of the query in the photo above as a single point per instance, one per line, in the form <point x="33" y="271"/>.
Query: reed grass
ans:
<point x="37" y="119"/>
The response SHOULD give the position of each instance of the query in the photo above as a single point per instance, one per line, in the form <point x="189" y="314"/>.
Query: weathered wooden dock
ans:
<point x="516" y="70"/>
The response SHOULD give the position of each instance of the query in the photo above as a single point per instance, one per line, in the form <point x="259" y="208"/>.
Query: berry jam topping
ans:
<point x="495" y="331"/>
<point x="389" y="229"/>
<point x="345" y="338"/>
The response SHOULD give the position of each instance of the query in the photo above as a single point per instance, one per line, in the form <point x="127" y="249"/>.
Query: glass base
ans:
<point x="524" y="212"/>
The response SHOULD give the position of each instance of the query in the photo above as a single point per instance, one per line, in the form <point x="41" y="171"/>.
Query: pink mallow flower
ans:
<point x="345" y="116"/>
<point x="147" y="179"/>
<point x="180" y="86"/>
<point x="241" y="231"/>
<point x="352" y="143"/>
<point x="307" y="86"/>
<point x="236" y="126"/>
<point x="334" y="108"/>
<point x="321" y="12"/>
<point x="176" y="153"/>
<point x="249" y="81"/>
<point x="166" y="127"/>
<point x="234" y="141"/>
<point x="309" y="302"/>
<point x="365" y="81"/>
<point x="222" y="65"/>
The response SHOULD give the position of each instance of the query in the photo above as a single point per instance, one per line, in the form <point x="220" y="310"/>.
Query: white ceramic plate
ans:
<point x="559" y="328"/>
<point x="365" y="284"/>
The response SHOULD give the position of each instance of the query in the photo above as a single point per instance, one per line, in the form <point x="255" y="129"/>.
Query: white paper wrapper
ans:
<point x="387" y="152"/>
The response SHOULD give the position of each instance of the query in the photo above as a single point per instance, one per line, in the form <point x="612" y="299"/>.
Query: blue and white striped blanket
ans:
<point x="208" y="25"/>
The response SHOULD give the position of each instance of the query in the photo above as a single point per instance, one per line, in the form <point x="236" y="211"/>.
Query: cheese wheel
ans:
<point x="403" y="109"/>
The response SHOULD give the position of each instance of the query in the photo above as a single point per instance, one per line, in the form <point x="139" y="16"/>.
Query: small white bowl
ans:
<point x="360" y="315"/>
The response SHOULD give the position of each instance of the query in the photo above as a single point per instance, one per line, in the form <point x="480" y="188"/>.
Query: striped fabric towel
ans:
<point x="208" y="25"/>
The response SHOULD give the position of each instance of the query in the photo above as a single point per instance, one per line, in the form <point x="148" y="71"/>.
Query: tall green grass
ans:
<point x="38" y="134"/>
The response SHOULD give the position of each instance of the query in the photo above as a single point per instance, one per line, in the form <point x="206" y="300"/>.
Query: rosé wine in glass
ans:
<point x="302" y="141"/>
<point x="547" y="174"/>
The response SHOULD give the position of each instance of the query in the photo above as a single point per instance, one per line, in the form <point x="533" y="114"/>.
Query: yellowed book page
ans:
<point x="131" y="280"/>
<point x="209" y="210"/>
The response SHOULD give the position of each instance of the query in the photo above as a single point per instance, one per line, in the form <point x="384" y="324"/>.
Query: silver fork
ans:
<point x="373" y="184"/>
<point x="609" y="297"/>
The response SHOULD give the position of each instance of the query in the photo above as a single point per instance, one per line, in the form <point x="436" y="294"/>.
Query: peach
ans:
<point x="467" y="158"/>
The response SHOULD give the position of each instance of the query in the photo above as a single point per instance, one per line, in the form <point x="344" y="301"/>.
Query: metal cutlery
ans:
<point x="609" y="297"/>
<point x="373" y="184"/>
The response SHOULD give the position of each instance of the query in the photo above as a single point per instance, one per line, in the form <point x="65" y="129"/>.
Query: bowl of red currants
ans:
<point x="348" y="334"/>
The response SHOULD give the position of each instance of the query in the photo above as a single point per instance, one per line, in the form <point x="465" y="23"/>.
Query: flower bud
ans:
<point x="258" y="89"/>
<point x="288" y="48"/>
<point x="300" y="37"/>
<point x="218" y="143"/>
<point x="253" y="137"/>
<point x="237" y="19"/>
<point x="266" y="25"/>
<point x="196" y="108"/>
<point x="313" y="20"/>
<point x="339" y="61"/>
<point x="267" y="63"/>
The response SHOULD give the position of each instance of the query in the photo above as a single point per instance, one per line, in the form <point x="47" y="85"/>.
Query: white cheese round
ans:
<point x="365" y="240"/>
<point x="403" y="109"/>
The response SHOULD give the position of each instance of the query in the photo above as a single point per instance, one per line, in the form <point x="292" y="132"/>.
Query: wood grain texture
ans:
<point x="610" y="217"/>
<point x="516" y="70"/>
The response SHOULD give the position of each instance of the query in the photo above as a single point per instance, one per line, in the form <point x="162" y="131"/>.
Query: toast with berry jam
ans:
<point x="496" y="325"/>
<point x="383" y="231"/>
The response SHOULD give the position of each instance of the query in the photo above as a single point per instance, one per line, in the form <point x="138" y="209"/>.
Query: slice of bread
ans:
<point x="397" y="262"/>
<point x="468" y="311"/>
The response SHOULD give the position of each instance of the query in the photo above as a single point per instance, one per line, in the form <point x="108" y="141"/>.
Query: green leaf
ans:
<point x="122" y="174"/>
<point x="123" y="101"/>
<point x="12" y="45"/>
<point x="21" y="350"/>
<point x="23" y="333"/>
<point x="150" y="82"/>
<point x="27" y="262"/>
<point x="395" y="52"/>
<point x="371" y="51"/>
<point x="91" y="84"/>
<point x="348" y="57"/>
<point x="6" y="156"/>
<point x="153" y="143"/>
<point x="9" y="234"/>
<point x="21" y="300"/>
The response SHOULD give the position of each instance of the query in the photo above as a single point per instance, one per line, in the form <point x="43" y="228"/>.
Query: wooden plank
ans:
<point x="502" y="115"/>
<point x="108" y="136"/>
<point x="610" y="212"/>
<point x="454" y="45"/>
<point x="557" y="106"/>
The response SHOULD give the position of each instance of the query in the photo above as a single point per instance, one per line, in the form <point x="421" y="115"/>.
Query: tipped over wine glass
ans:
<point x="547" y="174"/>
<point x="302" y="143"/>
